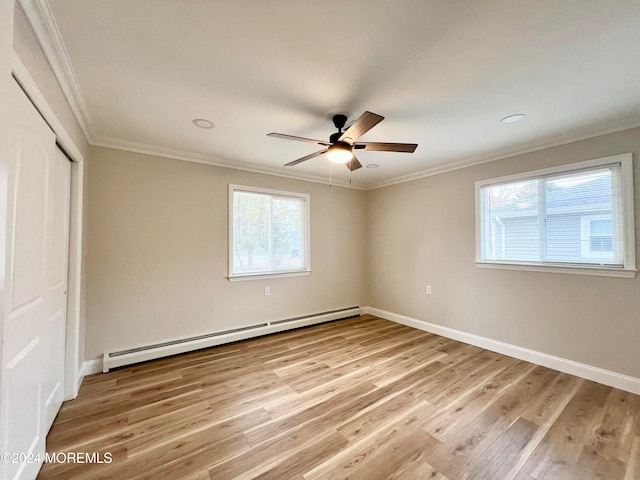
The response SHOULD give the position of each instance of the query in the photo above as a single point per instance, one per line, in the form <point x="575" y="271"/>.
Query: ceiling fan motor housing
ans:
<point x="339" y="121"/>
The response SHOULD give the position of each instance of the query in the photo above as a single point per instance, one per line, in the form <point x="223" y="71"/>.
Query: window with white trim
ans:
<point x="268" y="233"/>
<point x="577" y="216"/>
<point x="596" y="236"/>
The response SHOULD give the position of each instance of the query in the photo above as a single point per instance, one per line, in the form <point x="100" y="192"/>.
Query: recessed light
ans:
<point x="513" y="118"/>
<point x="203" y="123"/>
<point x="373" y="165"/>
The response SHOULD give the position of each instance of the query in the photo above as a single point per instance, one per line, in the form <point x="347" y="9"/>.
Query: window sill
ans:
<point x="570" y="269"/>
<point x="262" y="276"/>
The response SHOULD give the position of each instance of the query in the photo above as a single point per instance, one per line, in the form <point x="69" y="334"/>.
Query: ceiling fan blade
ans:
<point x="299" y="139"/>
<point x="353" y="164"/>
<point x="361" y="126"/>
<point x="304" y="159"/>
<point x="386" y="147"/>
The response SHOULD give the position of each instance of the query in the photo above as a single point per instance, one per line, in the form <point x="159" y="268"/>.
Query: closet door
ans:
<point x="33" y="355"/>
<point x="56" y="273"/>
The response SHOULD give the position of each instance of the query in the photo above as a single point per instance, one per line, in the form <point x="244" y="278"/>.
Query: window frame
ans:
<point x="585" y="236"/>
<point x="306" y="198"/>
<point x="627" y="270"/>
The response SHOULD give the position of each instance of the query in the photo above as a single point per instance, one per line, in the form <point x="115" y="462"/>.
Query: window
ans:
<point x="596" y="236"/>
<point x="577" y="218"/>
<point x="269" y="233"/>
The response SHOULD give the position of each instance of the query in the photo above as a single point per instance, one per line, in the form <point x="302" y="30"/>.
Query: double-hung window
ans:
<point x="268" y="233"/>
<point x="577" y="218"/>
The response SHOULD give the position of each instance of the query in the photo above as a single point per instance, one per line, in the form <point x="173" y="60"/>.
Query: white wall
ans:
<point x="158" y="237"/>
<point x="423" y="232"/>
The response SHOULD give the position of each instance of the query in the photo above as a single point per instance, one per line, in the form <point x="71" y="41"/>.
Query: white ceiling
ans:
<point x="443" y="73"/>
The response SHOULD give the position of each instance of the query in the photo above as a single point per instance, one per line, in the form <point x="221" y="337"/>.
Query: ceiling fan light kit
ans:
<point x="339" y="152"/>
<point x="339" y="148"/>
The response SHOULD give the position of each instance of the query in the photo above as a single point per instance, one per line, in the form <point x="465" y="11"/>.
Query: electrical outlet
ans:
<point x="428" y="289"/>
<point x="267" y="290"/>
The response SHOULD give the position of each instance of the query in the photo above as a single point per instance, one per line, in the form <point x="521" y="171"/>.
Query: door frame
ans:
<point x="74" y="343"/>
<point x="7" y="138"/>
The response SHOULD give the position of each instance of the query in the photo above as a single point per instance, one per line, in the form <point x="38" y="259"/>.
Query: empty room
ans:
<point x="301" y="240"/>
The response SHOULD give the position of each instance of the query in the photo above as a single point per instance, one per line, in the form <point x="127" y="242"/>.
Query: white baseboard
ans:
<point x="596" y="374"/>
<point x="89" y="367"/>
<point x="108" y="361"/>
<point x="79" y="380"/>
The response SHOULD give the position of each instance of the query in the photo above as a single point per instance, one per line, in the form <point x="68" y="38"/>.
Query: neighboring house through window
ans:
<point x="596" y="236"/>
<point x="575" y="216"/>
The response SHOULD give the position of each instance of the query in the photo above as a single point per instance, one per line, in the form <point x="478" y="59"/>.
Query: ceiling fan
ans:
<point x="341" y="144"/>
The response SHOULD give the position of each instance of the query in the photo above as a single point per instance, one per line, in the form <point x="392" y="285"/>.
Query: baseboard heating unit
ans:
<point x="151" y="352"/>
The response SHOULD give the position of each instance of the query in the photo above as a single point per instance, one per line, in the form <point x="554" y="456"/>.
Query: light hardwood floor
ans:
<point x="361" y="398"/>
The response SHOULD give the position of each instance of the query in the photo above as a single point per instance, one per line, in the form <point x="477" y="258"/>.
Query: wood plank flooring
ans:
<point x="361" y="398"/>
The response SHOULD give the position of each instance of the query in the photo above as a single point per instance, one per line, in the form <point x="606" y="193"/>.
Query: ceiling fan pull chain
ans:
<point x="330" y="171"/>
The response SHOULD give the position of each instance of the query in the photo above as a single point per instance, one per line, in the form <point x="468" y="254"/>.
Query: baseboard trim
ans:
<point x="89" y="367"/>
<point x="137" y="355"/>
<point x="79" y="381"/>
<point x="589" y="372"/>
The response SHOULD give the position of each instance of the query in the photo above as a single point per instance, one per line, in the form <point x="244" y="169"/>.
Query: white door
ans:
<point x="33" y="345"/>
<point x="56" y="273"/>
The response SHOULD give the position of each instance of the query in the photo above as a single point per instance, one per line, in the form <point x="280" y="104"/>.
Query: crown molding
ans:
<point x="43" y="23"/>
<point x="155" y="151"/>
<point x="549" y="142"/>
<point x="30" y="87"/>
<point x="44" y="26"/>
